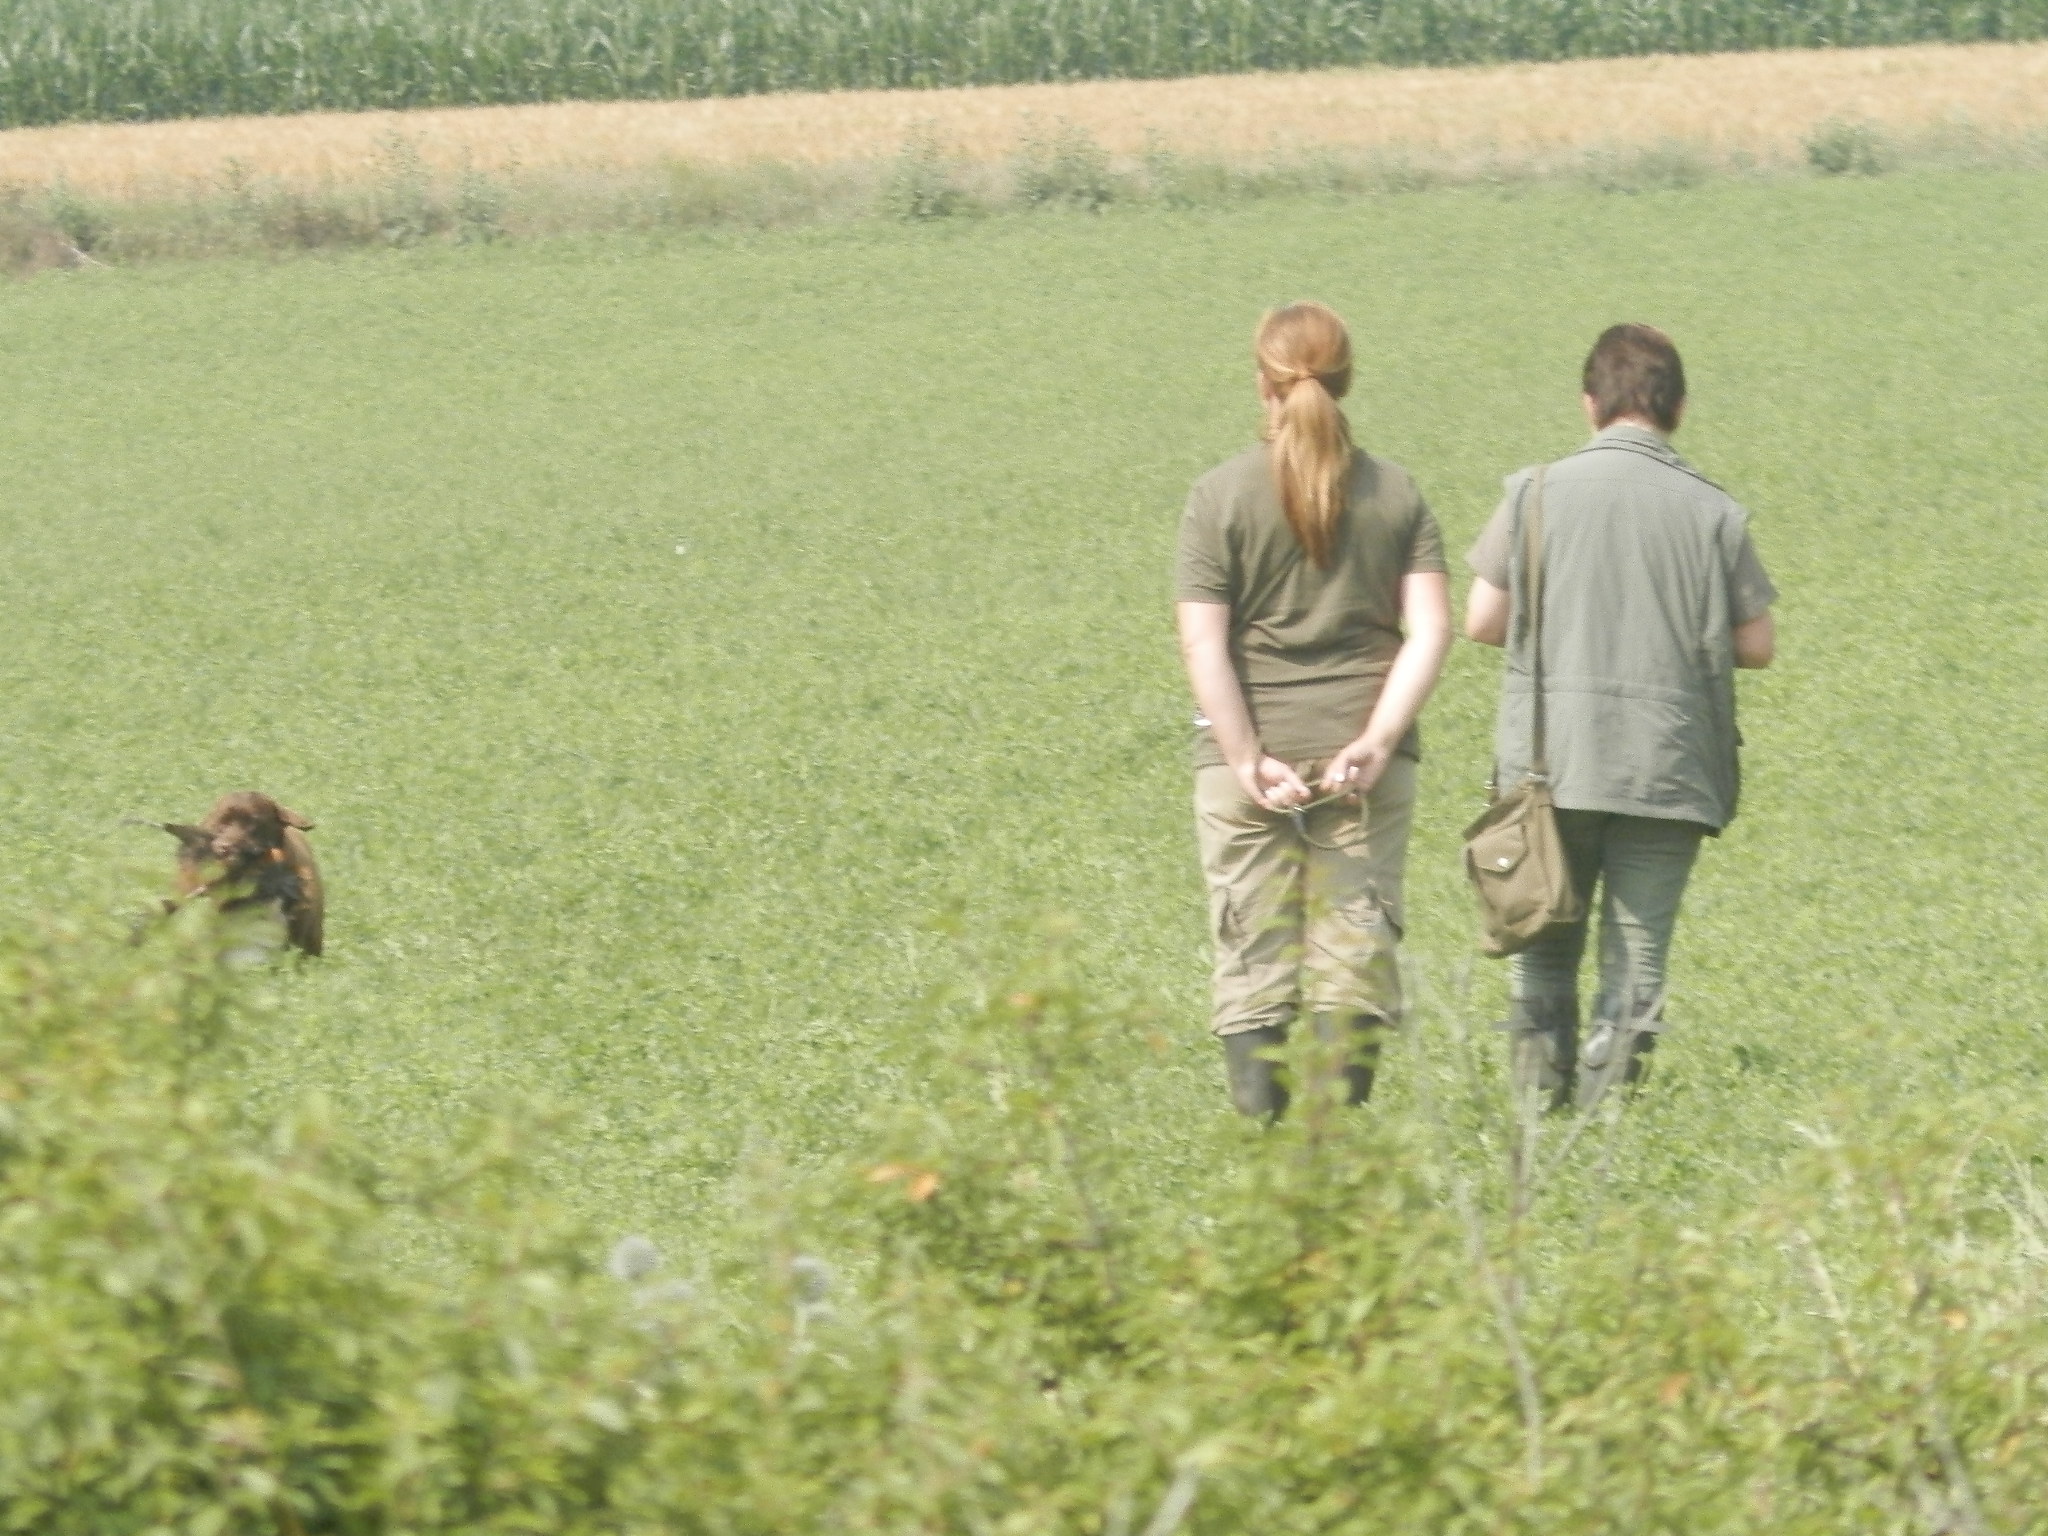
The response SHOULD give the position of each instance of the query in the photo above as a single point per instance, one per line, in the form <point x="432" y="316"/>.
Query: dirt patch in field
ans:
<point x="1763" y="106"/>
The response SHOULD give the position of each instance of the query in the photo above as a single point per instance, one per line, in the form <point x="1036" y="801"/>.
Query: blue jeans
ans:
<point x="1640" y="864"/>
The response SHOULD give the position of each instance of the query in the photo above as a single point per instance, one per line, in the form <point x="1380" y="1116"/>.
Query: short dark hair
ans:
<point x="1633" y="370"/>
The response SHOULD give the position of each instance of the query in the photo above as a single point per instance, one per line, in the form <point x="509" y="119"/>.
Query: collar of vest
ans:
<point x="1622" y="435"/>
<point x="1654" y="445"/>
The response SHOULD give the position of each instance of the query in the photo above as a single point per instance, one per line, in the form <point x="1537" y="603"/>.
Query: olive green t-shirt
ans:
<point x="1312" y="647"/>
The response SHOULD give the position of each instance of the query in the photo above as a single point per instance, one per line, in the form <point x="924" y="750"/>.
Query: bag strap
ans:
<point x="1532" y="575"/>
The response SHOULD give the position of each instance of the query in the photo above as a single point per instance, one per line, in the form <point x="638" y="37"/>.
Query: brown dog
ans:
<point x="254" y="851"/>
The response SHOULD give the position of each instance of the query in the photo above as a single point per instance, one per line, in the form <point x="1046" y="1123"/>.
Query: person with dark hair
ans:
<point x="1314" y="616"/>
<point x="1652" y="596"/>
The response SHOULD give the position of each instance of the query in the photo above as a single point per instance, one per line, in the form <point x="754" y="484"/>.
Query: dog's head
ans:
<point x="241" y="833"/>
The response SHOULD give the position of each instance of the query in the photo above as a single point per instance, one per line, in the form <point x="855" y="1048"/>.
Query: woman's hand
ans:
<point x="1356" y="769"/>
<point x="1272" y="784"/>
<point x="1426" y="616"/>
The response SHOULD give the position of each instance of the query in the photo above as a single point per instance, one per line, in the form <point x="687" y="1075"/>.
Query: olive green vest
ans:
<point x="1638" y="634"/>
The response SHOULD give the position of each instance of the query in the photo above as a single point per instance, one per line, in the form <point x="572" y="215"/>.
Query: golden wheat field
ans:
<point x="1760" y="105"/>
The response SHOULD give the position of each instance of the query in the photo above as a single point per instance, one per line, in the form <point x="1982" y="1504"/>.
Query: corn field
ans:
<point x="74" y="60"/>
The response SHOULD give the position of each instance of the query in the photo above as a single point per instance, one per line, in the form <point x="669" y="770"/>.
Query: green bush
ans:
<point x="479" y="208"/>
<point x="1064" y="168"/>
<point x="1374" y="1325"/>
<point x="199" y="1331"/>
<point x="1669" y="166"/>
<point x="83" y="225"/>
<point x="62" y="60"/>
<point x="1840" y="147"/>
<point x="923" y="183"/>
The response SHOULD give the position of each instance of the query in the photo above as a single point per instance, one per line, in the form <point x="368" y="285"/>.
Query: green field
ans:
<point x="663" y="636"/>
<point x="696" y="654"/>
<point x="64" y="60"/>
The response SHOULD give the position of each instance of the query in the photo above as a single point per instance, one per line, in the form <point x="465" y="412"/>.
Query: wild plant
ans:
<point x="1845" y="147"/>
<point x="1062" y="166"/>
<point x="922" y="183"/>
<point x="1360" y="1319"/>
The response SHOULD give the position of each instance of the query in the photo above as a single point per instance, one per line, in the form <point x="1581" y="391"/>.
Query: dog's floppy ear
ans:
<point x="294" y="819"/>
<point x="187" y="834"/>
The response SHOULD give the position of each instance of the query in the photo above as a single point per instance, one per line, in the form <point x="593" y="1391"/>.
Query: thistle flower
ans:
<point x="812" y="1278"/>
<point x="633" y="1258"/>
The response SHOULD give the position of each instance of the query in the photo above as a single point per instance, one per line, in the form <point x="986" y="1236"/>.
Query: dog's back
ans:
<point x="305" y="916"/>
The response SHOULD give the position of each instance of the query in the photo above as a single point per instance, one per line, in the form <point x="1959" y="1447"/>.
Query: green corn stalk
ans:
<point x="71" y="60"/>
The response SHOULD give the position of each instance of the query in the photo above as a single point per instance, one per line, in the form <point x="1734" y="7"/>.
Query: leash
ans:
<point x="1298" y="814"/>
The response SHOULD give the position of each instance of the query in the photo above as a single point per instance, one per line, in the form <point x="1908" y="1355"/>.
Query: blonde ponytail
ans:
<point x="1304" y="356"/>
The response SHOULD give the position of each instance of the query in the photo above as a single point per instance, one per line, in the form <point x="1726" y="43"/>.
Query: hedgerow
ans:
<point x="64" y="60"/>
<point x="1371" y="1323"/>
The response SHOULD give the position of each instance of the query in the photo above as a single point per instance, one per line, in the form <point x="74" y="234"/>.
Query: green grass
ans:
<point x="664" y="634"/>
<point x="62" y="60"/>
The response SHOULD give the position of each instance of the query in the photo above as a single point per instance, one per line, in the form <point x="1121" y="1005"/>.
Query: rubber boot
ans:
<point x="1360" y="1033"/>
<point x="1615" y="1057"/>
<point x="1544" y="1045"/>
<point x="1255" y="1084"/>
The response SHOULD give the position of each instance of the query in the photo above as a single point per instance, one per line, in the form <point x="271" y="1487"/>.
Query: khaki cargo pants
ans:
<point x="1304" y="918"/>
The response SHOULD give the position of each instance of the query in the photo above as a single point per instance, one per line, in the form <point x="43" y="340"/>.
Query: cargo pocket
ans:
<point x="1353" y="965"/>
<point x="1367" y="917"/>
<point x="1226" y="933"/>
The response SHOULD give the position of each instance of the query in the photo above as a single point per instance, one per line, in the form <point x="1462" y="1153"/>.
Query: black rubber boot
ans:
<point x="1360" y="1034"/>
<point x="1544" y="1041"/>
<point x="1255" y="1083"/>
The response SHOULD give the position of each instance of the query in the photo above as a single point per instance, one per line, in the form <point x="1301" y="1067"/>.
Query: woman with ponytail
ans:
<point x="1314" y="618"/>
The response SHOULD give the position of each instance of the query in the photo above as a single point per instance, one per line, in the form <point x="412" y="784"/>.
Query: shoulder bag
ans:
<point x="1514" y="856"/>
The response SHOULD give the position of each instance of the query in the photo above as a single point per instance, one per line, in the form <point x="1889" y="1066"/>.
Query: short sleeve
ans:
<point x="1425" y="542"/>
<point x="1750" y="593"/>
<point x="1201" y="571"/>
<point x="1489" y="556"/>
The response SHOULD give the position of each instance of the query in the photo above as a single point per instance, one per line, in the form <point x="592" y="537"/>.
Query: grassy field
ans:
<point x="664" y="635"/>
<point x="707" y="658"/>
<point x="82" y="60"/>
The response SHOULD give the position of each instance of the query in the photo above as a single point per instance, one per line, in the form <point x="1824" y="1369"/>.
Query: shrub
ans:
<point x="1363" y="1322"/>
<point x="923" y="182"/>
<point x="479" y="208"/>
<point x="83" y="225"/>
<point x="1064" y="168"/>
<point x="1841" y="147"/>
<point x="197" y="1328"/>
<point x="1668" y="166"/>
<point x="406" y="209"/>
